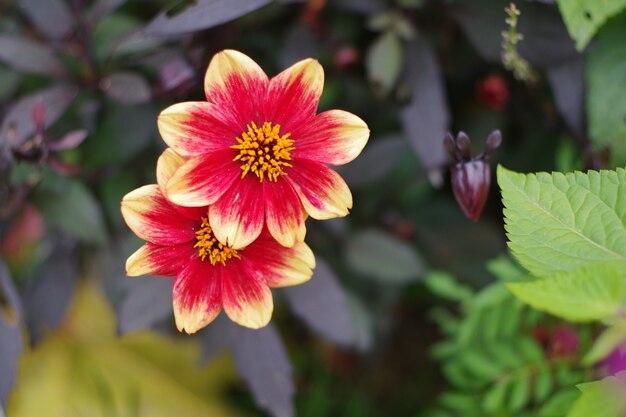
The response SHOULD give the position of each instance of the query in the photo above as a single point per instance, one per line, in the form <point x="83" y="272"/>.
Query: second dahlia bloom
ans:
<point x="209" y="276"/>
<point x="257" y="152"/>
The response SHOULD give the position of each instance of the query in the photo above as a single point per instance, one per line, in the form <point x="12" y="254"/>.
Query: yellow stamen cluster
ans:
<point x="263" y="151"/>
<point x="210" y="247"/>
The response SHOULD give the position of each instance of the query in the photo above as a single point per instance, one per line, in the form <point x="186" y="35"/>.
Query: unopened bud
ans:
<point x="450" y="144"/>
<point x="494" y="140"/>
<point x="471" y="181"/>
<point x="463" y="145"/>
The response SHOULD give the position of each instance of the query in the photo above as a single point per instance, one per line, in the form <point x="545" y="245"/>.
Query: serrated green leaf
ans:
<point x="606" y="343"/>
<point x="562" y="222"/>
<point x="583" y="18"/>
<point x="606" y="82"/>
<point x="604" y="398"/>
<point x="583" y="295"/>
<point x="445" y="286"/>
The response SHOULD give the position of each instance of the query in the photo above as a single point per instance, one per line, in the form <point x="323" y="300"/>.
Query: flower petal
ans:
<point x="237" y="217"/>
<point x="153" y="218"/>
<point x="167" y="164"/>
<point x="294" y="94"/>
<point x="283" y="212"/>
<point x="202" y="180"/>
<point x="236" y="85"/>
<point x="246" y="299"/>
<point x="324" y="194"/>
<point x="196" y="296"/>
<point x="333" y="137"/>
<point x="194" y="127"/>
<point x="151" y="259"/>
<point x="276" y="265"/>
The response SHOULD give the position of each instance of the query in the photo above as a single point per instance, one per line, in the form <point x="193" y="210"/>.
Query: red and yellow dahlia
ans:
<point x="256" y="151"/>
<point x="209" y="276"/>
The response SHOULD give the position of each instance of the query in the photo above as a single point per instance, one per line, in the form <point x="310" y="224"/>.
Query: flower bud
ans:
<point x="470" y="182"/>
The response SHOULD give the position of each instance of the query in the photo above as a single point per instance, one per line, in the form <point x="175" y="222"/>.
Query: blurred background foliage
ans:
<point x="407" y="313"/>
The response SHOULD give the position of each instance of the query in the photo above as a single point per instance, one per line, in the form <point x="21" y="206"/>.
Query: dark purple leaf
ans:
<point x="18" y="123"/>
<point x="300" y="43"/>
<point x="425" y="119"/>
<point x="139" y="302"/>
<point x="69" y="141"/>
<point x="146" y="302"/>
<point x="101" y="8"/>
<point x="52" y="17"/>
<point x="375" y="162"/>
<point x="215" y="338"/>
<point x="126" y="88"/>
<point x="10" y="333"/>
<point x="48" y="295"/>
<point x="262" y="362"/>
<point x="366" y="7"/>
<point x="321" y="304"/>
<point x="568" y="87"/>
<point x="123" y="133"/>
<point x="28" y="56"/>
<point x="201" y="15"/>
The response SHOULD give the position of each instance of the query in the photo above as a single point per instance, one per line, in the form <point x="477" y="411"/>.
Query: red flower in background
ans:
<point x="209" y="276"/>
<point x="493" y="91"/>
<point x="256" y="151"/>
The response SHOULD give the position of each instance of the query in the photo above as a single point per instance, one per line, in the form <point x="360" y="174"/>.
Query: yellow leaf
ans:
<point x="86" y="369"/>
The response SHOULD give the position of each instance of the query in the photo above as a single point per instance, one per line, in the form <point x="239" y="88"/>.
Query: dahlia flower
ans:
<point x="256" y="152"/>
<point x="209" y="276"/>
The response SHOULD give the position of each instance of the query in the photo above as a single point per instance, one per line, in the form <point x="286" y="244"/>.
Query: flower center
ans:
<point x="210" y="247"/>
<point x="263" y="151"/>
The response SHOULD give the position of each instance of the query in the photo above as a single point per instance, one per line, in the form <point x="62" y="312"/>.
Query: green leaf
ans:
<point x="592" y="293"/>
<point x="561" y="222"/>
<point x="604" y="398"/>
<point x="481" y="366"/>
<point x="493" y="400"/>
<point x="74" y="210"/>
<point x="383" y="257"/>
<point x="124" y="132"/>
<point x="384" y="60"/>
<point x="583" y="18"/>
<point x="606" y="343"/>
<point x="606" y="82"/>
<point x="543" y="382"/>
<point x="445" y="286"/>
<point x="559" y="403"/>
<point x="88" y="370"/>
<point x="520" y="390"/>
<point x="506" y="270"/>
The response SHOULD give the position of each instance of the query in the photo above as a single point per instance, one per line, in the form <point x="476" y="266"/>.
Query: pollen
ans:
<point x="210" y="247"/>
<point x="263" y="151"/>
